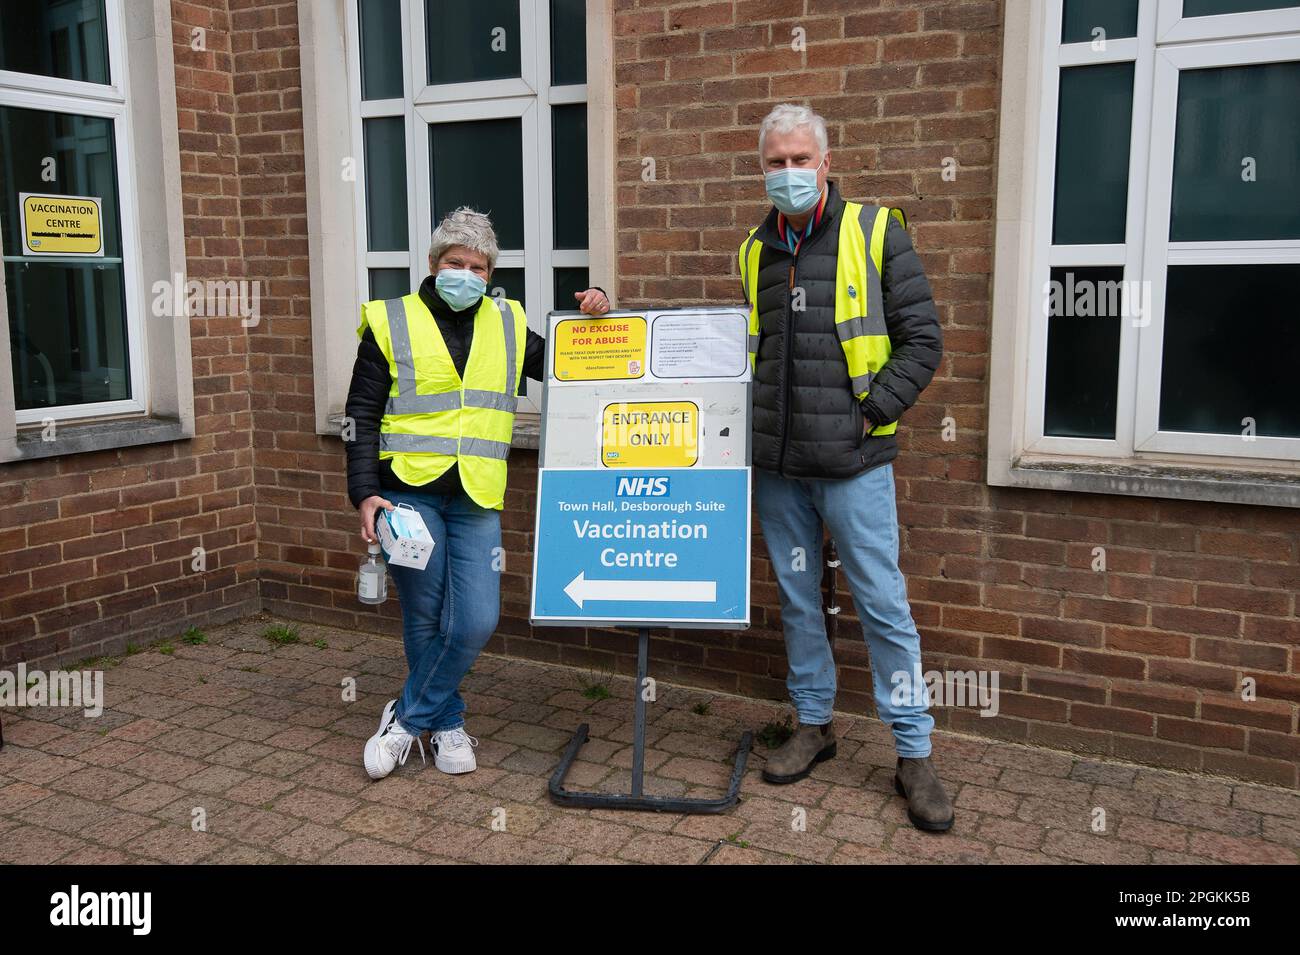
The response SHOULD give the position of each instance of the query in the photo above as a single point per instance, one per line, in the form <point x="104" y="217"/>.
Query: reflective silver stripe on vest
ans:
<point x="753" y="343"/>
<point x="508" y="326"/>
<point x="400" y="337"/>
<point x="744" y="268"/>
<point x="416" y="444"/>
<point x="474" y="398"/>
<point x="861" y="384"/>
<point x="408" y="402"/>
<point x="423" y="404"/>
<point x="483" y="448"/>
<point x="862" y="325"/>
<point x="873" y="292"/>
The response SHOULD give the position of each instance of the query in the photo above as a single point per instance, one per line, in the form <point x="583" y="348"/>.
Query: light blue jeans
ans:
<point x="449" y="609"/>
<point x="863" y="519"/>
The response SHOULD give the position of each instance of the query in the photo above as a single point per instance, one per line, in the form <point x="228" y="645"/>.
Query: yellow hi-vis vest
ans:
<point x="433" y="418"/>
<point x="859" y="301"/>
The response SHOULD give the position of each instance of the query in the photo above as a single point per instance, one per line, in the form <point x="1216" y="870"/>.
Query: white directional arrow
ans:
<point x="667" y="591"/>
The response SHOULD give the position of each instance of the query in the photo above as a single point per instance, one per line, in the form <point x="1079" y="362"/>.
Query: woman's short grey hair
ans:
<point x="467" y="227"/>
<point x="788" y="117"/>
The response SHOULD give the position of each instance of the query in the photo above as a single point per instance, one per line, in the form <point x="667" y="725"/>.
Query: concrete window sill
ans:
<point x="1148" y="479"/>
<point x="82" y="436"/>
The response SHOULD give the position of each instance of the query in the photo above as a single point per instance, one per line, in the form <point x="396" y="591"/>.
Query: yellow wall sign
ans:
<point x="650" y="434"/>
<point x="61" y="225"/>
<point x="600" y="349"/>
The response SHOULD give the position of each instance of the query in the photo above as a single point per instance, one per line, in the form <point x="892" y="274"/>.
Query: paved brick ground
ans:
<point x="258" y="738"/>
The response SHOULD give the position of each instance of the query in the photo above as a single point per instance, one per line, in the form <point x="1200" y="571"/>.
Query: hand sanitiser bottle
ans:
<point x="372" y="580"/>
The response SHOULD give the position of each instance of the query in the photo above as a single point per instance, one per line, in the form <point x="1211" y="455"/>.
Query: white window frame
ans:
<point x="377" y="109"/>
<point x="1160" y="252"/>
<point x="142" y="94"/>
<point x="460" y="102"/>
<point x="1139" y="460"/>
<point x="535" y="48"/>
<point x="339" y="281"/>
<point x="1173" y="27"/>
<point x="106" y="101"/>
<point x="1126" y="254"/>
<point x="525" y="110"/>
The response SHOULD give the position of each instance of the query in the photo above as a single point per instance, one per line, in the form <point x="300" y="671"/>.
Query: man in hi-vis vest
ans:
<point x="433" y="397"/>
<point x="843" y="336"/>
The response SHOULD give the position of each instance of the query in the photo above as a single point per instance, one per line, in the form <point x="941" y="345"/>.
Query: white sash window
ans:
<point x="1149" y="240"/>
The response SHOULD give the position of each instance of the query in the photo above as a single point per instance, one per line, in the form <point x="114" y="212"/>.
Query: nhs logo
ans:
<point x="642" y="487"/>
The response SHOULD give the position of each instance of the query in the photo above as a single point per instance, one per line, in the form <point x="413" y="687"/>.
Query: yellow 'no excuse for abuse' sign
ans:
<point x="61" y="225"/>
<point x="600" y="349"/>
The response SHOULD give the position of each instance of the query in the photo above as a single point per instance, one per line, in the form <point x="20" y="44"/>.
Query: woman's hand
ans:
<point x="368" y="509"/>
<point x="592" y="301"/>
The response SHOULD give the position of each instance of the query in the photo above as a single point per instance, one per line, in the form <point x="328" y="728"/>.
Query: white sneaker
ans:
<point x="390" y="746"/>
<point x="453" y="751"/>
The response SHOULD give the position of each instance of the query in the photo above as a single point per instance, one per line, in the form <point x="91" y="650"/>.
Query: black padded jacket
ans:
<point x="806" y="421"/>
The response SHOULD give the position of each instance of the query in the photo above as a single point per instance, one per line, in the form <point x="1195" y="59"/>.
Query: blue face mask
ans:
<point x="793" y="190"/>
<point x="459" y="288"/>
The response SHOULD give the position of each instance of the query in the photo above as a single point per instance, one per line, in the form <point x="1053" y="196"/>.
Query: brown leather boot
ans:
<point x="796" y="757"/>
<point x="928" y="805"/>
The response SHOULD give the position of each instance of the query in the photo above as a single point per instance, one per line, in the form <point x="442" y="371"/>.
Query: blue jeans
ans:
<point x="862" y="517"/>
<point x="449" y="609"/>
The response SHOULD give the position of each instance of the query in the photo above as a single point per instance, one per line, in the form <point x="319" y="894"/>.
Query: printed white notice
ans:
<point x="699" y="345"/>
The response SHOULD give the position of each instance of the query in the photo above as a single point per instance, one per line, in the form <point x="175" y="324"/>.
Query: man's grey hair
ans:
<point x="786" y="118"/>
<point x="467" y="227"/>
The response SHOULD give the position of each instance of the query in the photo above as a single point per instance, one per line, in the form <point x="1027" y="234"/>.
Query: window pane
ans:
<point x="389" y="283"/>
<point x="472" y="41"/>
<point x="569" y="178"/>
<point x="510" y="281"/>
<point x="1119" y="18"/>
<point x="568" y="281"/>
<point x="67" y="317"/>
<point x="84" y="163"/>
<point x="1209" y="8"/>
<point x="386" y="183"/>
<point x="1232" y="346"/>
<point x="480" y="164"/>
<point x="63" y="38"/>
<point x="1092" y="147"/>
<point x="1237" y="154"/>
<point x="1083" y="352"/>
<point x="568" y="42"/>
<point x="381" y="48"/>
<point x="67" y="332"/>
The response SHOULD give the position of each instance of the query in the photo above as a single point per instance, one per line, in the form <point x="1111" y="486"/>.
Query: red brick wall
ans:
<point x="1140" y="662"/>
<point x="305" y="555"/>
<point x="95" y="549"/>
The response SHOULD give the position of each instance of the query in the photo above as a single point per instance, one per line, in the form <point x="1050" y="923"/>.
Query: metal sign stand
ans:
<point x="637" y="799"/>
<point x="649" y="407"/>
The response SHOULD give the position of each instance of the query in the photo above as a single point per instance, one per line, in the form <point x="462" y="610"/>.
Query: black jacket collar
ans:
<point x="769" y="236"/>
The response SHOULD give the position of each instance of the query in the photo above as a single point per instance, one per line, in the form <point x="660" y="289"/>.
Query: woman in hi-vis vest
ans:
<point x="432" y="401"/>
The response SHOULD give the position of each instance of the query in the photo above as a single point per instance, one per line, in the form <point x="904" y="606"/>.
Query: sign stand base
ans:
<point x="637" y="799"/>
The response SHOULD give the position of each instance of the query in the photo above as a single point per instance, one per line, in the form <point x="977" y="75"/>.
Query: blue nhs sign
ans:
<point x="642" y="486"/>
<point x="642" y="548"/>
